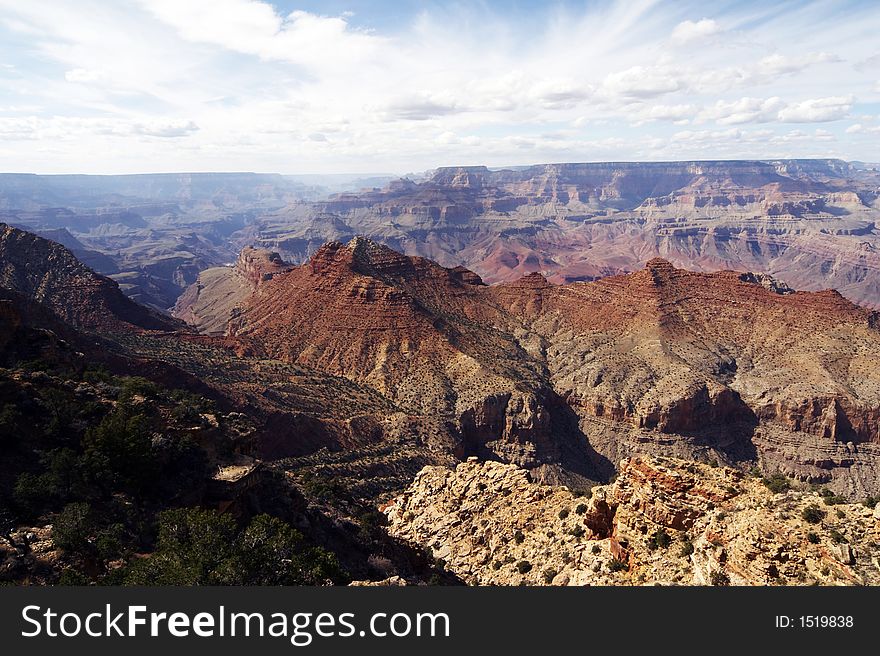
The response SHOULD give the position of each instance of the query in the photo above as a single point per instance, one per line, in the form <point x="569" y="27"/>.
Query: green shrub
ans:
<point x="118" y="452"/>
<point x="687" y="548"/>
<point x="9" y="423"/>
<point x="61" y="412"/>
<point x="777" y="483"/>
<point x="870" y="502"/>
<point x="189" y="406"/>
<point x="97" y="374"/>
<point x="549" y="574"/>
<point x="659" y="540"/>
<point x="201" y="547"/>
<point x="518" y="537"/>
<point x="132" y="386"/>
<point x="271" y="552"/>
<point x="617" y="565"/>
<point x="812" y="538"/>
<point x="73" y="528"/>
<point x="833" y="499"/>
<point x="836" y="536"/>
<point x="812" y="514"/>
<point x="31" y="493"/>
<point x="110" y="541"/>
<point x="563" y="513"/>
<point x="581" y="509"/>
<point x="70" y="576"/>
<point x="719" y="578"/>
<point x="577" y="531"/>
<point x="523" y="567"/>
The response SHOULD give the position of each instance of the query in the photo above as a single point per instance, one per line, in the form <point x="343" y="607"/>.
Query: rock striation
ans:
<point x="731" y="366"/>
<point x="812" y="223"/>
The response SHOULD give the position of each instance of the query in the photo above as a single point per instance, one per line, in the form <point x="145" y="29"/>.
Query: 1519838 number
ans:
<point x="825" y="621"/>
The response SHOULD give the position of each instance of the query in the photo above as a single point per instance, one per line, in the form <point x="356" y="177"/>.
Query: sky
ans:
<point x="401" y="86"/>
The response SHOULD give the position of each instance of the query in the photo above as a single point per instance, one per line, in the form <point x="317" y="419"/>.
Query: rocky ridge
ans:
<point x="730" y="366"/>
<point x="49" y="274"/>
<point x="663" y="521"/>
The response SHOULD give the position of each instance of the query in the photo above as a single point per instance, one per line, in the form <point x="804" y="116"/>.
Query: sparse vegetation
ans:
<point x="199" y="547"/>
<point x="659" y="540"/>
<point x="617" y="565"/>
<point x="719" y="578"/>
<point x="812" y="514"/>
<point x="777" y="483"/>
<point x="830" y="498"/>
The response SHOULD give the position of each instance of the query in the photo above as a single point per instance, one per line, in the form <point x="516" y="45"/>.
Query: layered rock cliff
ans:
<point x="730" y="366"/>
<point x="812" y="223"/>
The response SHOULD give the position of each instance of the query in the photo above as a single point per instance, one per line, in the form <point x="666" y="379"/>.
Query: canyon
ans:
<point x="809" y="223"/>
<point x="652" y="396"/>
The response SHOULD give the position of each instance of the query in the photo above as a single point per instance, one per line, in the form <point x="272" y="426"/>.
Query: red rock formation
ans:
<point x="707" y="360"/>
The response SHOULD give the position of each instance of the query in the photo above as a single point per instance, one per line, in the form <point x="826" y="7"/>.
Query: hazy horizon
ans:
<point x="318" y="88"/>
<point x="386" y="174"/>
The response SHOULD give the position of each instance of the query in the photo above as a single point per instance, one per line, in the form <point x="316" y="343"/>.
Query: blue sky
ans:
<point x="357" y="86"/>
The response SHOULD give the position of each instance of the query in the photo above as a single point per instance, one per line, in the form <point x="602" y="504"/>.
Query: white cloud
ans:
<point x="858" y="128"/>
<point x="794" y="136"/>
<point x="818" y="110"/>
<point x="558" y="93"/>
<point x="71" y="128"/>
<point x="744" y="110"/>
<point x="165" y="129"/>
<point x="223" y="84"/>
<point x="83" y="75"/>
<point x="673" y="113"/>
<point x="255" y="28"/>
<point x="691" y="31"/>
<point x="642" y="82"/>
<point x="731" y="134"/>
<point x="776" y="64"/>
<point x="421" y="108"/>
